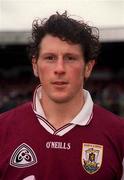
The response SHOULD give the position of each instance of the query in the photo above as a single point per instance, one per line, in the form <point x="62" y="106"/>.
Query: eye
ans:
<point x="50" y="58"/>
<point x="70" y="58"/>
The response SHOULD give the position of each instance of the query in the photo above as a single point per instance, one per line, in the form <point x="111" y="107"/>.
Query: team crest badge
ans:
<point x="92" y="155"/>
<point x="23" y="156"/>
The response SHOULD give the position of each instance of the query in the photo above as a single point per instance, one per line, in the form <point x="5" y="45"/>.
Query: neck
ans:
<point x="59" y="114"/>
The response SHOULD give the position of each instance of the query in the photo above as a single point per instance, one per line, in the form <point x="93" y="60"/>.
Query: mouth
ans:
<point x="60" y="83"/>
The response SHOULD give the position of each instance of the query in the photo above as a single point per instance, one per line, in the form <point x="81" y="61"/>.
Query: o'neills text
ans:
<point x="58" y="145"/>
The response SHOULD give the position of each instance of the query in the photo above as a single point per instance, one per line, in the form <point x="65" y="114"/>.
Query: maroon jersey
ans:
<point x="27" y="150"/>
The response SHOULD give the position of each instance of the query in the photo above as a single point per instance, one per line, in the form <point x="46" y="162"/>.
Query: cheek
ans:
<point x="77" y="75"/>
<point x="44" y="73"/>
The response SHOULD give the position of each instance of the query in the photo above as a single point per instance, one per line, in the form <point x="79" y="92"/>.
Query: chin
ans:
<point x="60" y="100"/>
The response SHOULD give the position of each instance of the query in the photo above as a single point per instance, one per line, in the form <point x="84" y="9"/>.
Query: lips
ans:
<point x="60" y="83"/>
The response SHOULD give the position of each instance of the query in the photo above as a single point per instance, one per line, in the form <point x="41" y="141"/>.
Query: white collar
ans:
<point x="82" y="118"/>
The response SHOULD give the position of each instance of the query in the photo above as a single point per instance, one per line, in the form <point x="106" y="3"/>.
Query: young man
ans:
<point x="62" y="134"/>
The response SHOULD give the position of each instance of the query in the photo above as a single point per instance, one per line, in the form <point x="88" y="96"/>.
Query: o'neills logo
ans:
<point x="58" y="145"/>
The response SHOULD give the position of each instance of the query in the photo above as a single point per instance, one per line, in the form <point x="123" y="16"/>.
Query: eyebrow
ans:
<point x="66" y="53"/>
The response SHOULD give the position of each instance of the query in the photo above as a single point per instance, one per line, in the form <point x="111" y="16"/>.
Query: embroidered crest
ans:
<point x="23" y="156"/>
<point x="92" y="155"/>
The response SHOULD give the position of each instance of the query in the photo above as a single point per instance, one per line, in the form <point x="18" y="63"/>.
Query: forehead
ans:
<point x="53" y="43"/>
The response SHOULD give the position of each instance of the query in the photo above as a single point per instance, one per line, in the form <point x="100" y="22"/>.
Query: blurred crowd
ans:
<point x="13" y="94"/>
<point x="109" y="94"/>
<point x="105" y="91"/>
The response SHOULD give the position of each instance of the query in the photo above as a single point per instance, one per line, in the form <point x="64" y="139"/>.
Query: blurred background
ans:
<point x="17" y="82"/>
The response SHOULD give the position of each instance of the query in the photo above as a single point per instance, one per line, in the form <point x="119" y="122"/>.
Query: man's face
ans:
<point x="61" y="69"/>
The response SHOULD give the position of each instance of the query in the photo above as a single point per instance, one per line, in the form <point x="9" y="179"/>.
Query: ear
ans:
<point x="88" y="68"/>
<point x="34" y="67"/>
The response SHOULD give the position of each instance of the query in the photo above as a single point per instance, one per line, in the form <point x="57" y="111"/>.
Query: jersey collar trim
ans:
<point x="83" y="117"/>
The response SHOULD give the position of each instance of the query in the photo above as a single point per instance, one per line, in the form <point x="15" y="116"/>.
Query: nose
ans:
<point x="60" y="66"/>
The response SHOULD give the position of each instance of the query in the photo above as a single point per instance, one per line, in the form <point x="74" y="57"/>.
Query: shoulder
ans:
<point x="101" y="112"/>
<point x="15" y="121"/>
<point x="107" y="120"/>
<point x="14" y="124"/>
<point x="15" y="113"/>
